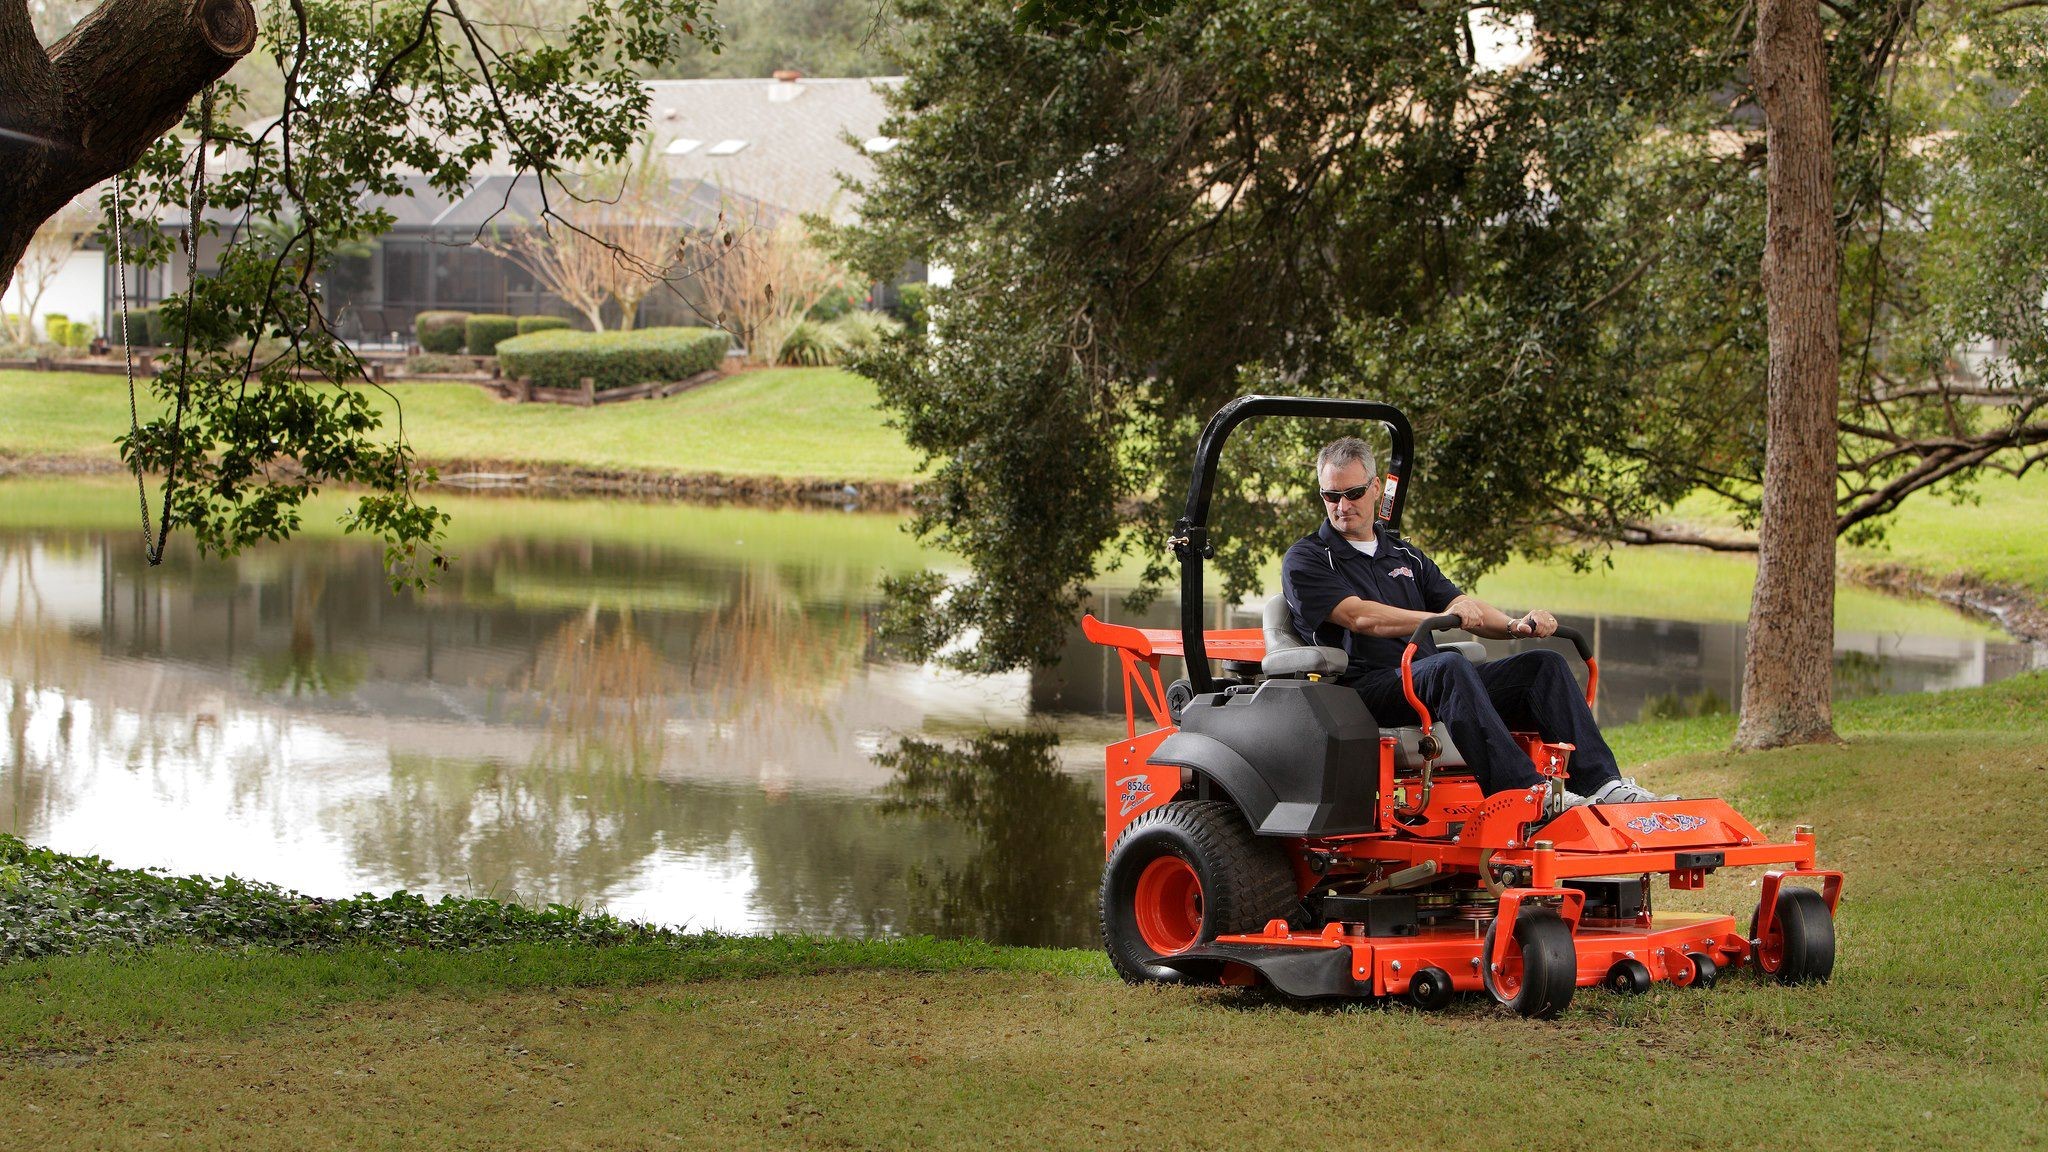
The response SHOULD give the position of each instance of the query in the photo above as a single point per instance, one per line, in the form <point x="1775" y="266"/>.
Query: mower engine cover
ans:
<point x="1297" y="757"/>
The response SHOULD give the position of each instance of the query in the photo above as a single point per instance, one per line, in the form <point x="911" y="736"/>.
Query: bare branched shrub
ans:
<point x="613" y="233"/>
<point x="769" y="274"/>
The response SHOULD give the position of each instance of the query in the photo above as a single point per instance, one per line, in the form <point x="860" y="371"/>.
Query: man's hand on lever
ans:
<point x="1483" y="619"/>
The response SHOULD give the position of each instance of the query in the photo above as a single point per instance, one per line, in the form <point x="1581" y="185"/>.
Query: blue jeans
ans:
<point x="1528" y="692"/>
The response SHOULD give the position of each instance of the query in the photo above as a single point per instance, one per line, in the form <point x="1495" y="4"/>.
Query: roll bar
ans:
<point x="1190" y="539"/>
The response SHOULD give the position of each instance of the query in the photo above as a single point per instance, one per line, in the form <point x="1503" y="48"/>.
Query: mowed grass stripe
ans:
<point x="810" y="423"/>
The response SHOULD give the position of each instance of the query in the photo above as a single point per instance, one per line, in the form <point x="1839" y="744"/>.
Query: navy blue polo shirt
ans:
<point x="1322" y="569"/>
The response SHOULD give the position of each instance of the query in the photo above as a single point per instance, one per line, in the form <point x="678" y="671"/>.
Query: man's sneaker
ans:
<point x="1624" y="790"/>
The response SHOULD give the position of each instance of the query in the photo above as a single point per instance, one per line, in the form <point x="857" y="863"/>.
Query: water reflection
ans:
<point x="1037" y="838"/>
<point x="686" y="721"/>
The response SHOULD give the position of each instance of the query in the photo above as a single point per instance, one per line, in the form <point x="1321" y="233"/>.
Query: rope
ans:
<point x="154" y="551"/>
<point x="128" y="359"/>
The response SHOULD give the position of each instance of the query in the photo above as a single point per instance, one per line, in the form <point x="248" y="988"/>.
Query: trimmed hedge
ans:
<point x="613" y="359"/>
<point x="441" y="332"/>
<point x="531" y="324"/>
<point x="485" y="329"/>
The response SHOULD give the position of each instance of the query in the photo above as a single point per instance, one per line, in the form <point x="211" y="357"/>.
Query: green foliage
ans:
<point x="810" y="344"/>
<point x="373" y="99"/>
<point x="560" y="359"/>
<point x="1111" y="22"/>
<point x="52" y="904"/>
<point x="54" y="324"/>
<point x="435" y="363"/>
<point x="441" y="332"/>
<point x="861" y="331"/>
<point x="913" y="302"/>
<point x="484" y="330"/>
<point x="816" y="37"/>
<point x="532" y="324"/>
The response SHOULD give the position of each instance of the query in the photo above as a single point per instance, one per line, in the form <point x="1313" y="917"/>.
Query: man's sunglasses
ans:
<point x="1331" y="496"/>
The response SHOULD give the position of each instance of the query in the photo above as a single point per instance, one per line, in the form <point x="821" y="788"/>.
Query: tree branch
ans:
<point x="115" y="83"/>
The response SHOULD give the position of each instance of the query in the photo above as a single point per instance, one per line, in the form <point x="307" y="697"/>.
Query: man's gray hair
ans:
<point x="1348" y="450"/>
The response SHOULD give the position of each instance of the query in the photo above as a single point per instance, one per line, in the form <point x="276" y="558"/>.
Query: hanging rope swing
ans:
<point x="153" y="549"/>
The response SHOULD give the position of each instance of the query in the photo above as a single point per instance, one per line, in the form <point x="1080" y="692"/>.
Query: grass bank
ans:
<point x="1992" y="536"/>
<point x="1929" y="1036"/>
<point x="809" y="423"/>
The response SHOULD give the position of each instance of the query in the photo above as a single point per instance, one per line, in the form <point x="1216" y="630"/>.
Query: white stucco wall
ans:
<point x="76" y="292"/>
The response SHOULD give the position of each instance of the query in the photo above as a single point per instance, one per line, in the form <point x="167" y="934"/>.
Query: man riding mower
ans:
<point x="1269" y="829"/>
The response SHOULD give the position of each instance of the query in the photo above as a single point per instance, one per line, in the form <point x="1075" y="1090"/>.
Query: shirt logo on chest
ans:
<point x="1404" y="570"/>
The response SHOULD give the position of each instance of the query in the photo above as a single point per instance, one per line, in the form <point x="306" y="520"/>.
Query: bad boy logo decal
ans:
<point x="1136" y="789"/>
<point x="1663" y="822"/>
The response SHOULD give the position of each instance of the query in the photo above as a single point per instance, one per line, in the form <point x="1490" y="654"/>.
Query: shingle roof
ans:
<point x="795" y="133"/>
<point x="795" y="144"/>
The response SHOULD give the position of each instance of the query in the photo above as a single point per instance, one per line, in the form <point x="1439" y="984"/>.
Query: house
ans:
<point x="769" y="148"/>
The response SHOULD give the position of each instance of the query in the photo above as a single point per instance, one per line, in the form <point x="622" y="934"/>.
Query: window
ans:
<point x="682" y="146"/>
<point x="727" y="147"/>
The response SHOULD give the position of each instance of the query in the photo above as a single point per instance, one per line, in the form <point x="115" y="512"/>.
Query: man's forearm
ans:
<point x="1493" y="623"/>
<point x="1372" y="618"/>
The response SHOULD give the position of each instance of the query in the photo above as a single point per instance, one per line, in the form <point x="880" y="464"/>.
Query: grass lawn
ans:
<point x="1997" y="533"/>
<point x="1929" y="1036"/>
<point x="793" y="422"/>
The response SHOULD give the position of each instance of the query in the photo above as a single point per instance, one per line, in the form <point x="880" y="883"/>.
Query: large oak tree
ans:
<point x="1558" y="269"/>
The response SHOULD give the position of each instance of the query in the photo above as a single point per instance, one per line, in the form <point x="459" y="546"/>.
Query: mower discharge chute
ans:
<point x="1266" y="828"/>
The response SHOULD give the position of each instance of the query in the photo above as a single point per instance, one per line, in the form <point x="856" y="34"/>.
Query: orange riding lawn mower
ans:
<point x="1267" y="829"/>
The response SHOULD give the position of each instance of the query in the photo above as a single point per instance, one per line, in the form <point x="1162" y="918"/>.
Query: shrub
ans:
<point x="54" y="324"/>
<point x="531" y="324"/>
<point x="838" y="302"/>
<point x="438" y="364"/>
<point x="76" y="334"/>
<point x="614" y="359"/>
<point x="485" y="329"/>
<point x="861" y="331"/>
<point x="441" y="332"/>
<point x="158" y="327"/>
<point x="811" y="345"/>
<point x="140" y="326"/>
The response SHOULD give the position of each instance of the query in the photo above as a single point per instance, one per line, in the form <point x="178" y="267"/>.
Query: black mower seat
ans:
<point x="1287" y="655"/>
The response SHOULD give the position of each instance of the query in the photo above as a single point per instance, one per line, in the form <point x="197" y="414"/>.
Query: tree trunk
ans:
<point x="89" y="106"/>
<point x="1788" y="669"/>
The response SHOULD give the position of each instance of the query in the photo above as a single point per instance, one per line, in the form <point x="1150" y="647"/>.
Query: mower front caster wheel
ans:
<point x="1800" y="948"/>
<point x="1704" y="971"/>
<point x="1431" y="989"/>
<point x="1628" y="977"/>
<point x="1541" y="969"/>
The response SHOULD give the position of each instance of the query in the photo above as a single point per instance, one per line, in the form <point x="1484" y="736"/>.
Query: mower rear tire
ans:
<point x="1542" y="967"/>
<point x="1801" y="946"/>
<point x="1183" y="874"/>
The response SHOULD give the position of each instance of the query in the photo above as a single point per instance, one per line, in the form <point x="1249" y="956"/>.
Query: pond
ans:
<point x="677" y="713"/>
